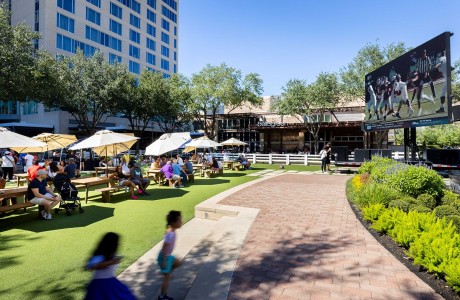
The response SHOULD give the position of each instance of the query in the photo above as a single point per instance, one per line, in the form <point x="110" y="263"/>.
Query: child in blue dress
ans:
<point x="104" y="262"/>
<point x="166" y="261"/>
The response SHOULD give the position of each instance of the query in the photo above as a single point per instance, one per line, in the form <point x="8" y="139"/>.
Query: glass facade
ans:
<point x="135" y="36"/>
<point x="113" y="58"/>
<point x="134" y="52"/>
<point x="150" y="58"/>
<point x="134" y="67"/>
<point x="116" y="10"/>
<point x="71" y="45"/>
<point x="165" y="64"/>
<point x="93" y="16"/>
<point x="103" y="38"/>
<point x="68" y="5"/>
<point x="65" y="23"/>
<point x="164" y="51"/>
<point x="165" y="38"/>
<point x="115" y="27"/>
<point x="168" y="14"/>
<point x="151" y="16"/>
<point x="151" y="30"/>
<point x="95" y="2"/>
<point x="151" y="44"/>
<point x="135" y="21"/>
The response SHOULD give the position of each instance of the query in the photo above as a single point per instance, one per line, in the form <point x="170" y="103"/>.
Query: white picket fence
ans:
<point x="289" y="159"/>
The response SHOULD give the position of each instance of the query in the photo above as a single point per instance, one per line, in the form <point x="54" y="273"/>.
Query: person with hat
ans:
<point x="8" y="165"/>
<point x="38" y="192"/>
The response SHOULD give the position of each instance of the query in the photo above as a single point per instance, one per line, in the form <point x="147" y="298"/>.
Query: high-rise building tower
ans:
<point x="139" y="33"/>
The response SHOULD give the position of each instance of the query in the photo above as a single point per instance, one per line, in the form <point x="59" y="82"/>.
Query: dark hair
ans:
<point x="107" y="246"/>
<point x="54" y="167"/>
<point x="172" y="217"/>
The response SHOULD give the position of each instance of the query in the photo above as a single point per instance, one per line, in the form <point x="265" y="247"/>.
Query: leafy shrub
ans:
<point x="387" y="220"/>
<point x="349" y="190"/>
<point x="377" y="162"/>
<point x="410" y="226"/>
<point x="420" y="208"/>
<point x="403" y="203"/>
<point x="426" y="200"/>
<point x="445" y="211"/>
<point x="375" y="193"/>
<point x="455" y="221"/>
<point x="373" y="211"/>
<point x="451" y="198"/>
<point x="452" y="273"/>
<point x="415" y="181"/>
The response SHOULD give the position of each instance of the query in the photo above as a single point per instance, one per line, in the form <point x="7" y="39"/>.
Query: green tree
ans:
<point x="309" y="102"/>
<point x="456" y="81"/>
<point x="368" y="59"/>
<point x="17" y="64"/>
<point x="173" y="112"/>
<point x="83" y="86"/>
<point x="217" y="86"/>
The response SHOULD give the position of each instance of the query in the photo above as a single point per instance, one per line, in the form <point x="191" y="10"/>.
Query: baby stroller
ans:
<point x="69" y="194"/>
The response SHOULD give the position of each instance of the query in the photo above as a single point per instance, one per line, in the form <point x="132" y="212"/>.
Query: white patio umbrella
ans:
<point x="167" y="142"/>
<point x="10" y="139"/>
<point x="233" y="142"/>
<point x="107" y="142"/>
<point x="53" y="141"/>
<point x="202" y="142"/>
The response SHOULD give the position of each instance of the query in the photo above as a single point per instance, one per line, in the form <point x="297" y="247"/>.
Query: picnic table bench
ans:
<point x="91" y="181"/>
<point x="21" y="178"/>
<point x="8" y="198"/>
<point x="106" y="192"/>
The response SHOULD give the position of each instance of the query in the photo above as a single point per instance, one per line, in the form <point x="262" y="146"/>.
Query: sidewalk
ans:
<point x="284" y="236"/>
<point x="306" y="243"/>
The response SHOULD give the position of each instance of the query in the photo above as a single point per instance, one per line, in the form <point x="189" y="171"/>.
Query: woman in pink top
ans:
<point x="166" y="261"/>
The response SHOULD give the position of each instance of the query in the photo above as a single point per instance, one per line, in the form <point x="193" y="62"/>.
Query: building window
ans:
<point x="175" y="44"/>
<point x="175" y="68"/>
<point x="165" y="75"/>
<point x="134" y="67"/>
<point x="30" y="108"/>
<point x="171" y="3"/>
<point x="68" y="5"/>
<point x="37" y="17"/>
<point x="152" y="3"/>
<point x="168" y="14"/>
<point x="103" y="38"/>
<point x="164" y="51"/>
<point x="151" y="16"/>
<point x="133" y="4"/>
<point x="165" y="24"/>
<point x="135" y="21"/>
<point x="175" y="30"/>
<point x="151" y="44"/>
<point x="65" y="23"/>
<point x="134" y="52"/>
<point x="165" y="38"/>
<point x="95" y="2"/>
<point x="113" y="58"/>
<point x="9" y="107"/>
<point x="135" y="36"/>
<point x="70" y="45"/>
<point x="116" y="10"/>
<point x="151" y="30"/>
<point x="165" y="64"/>
<point x="150" y="58"/>
<point x="93" y="16"/>
<point x="175" y="56"/>
<point x="115" y="27"/>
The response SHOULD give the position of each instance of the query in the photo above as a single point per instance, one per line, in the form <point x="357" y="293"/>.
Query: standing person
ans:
<point x="71" y="169"/>
<point x="28" y="161"/>
<point x="442" y="67"/>
<point x="180" y="161"/>
<point x="8" y="165"/>
<point x="325" y="158"/>
<point x="41" y="194"/>
<point x="400" y="92"/>
<point x="166" y="261"/>
<point x="104" y="262"/>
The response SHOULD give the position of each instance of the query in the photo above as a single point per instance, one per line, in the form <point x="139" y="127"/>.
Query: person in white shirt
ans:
<point x="179" y="160"/>
<point x="29" y="159"/>
<point x="442" y="67"/>
<point x="400" y="96"/>
<point x="8" y="165"/>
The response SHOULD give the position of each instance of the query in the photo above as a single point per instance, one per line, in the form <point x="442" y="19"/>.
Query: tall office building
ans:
<point x="141" y="34"/>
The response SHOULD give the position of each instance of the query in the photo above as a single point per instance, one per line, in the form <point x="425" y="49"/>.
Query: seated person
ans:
<point x="123" y="180"/>
<point x="219" y="163"/>
<point x="53" y="170"/>
<point x="61" y="165"/>
<point x="41" y="194"/>
<point x="179" y="160"/>
<point x="139" y="180"/>
<point x="168" y="171"/>
<point x="188" y="166"/>
<point x="71" y="169"/>
<point x="177" y="170"/>
<point x="156" y="165"/>
<point x="102" y="162"/>
<point x="163" y="162"/>
<point x="215" y="164"/>
<point x="124" y="165"/>
<point x="246" y="164"/>
<point x="32" y="171"/>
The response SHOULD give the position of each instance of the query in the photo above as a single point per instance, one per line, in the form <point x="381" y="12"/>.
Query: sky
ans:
<point x="286" y="39"/>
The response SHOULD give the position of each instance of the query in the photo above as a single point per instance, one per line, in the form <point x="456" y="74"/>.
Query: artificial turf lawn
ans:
<point x="42" y="259"/>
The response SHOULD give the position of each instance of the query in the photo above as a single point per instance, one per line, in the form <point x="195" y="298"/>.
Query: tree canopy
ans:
<point x="17" y="63"/>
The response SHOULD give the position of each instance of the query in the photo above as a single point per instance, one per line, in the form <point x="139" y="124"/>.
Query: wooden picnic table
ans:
<point x="21" y="178"/>
<point x="7" y="197"/>
<point x="229" y="164"/>
<point x="200" y="167"/>
<point x="103" y="170"/>
<point x="91" y="181"/>
<point x="157" y="175"/>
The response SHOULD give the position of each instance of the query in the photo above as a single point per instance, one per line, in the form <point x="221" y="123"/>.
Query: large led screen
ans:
<point x="412" y="90"/>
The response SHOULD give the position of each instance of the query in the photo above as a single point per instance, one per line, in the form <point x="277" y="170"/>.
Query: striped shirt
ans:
<point x="424" y="65"/>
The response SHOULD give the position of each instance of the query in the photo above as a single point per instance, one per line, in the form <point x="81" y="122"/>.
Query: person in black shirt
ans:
<point x="38" y="192"/>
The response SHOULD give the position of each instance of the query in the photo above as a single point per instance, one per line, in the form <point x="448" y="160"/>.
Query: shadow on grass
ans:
<point x="156" y="193"/>
<point x="210" y="181"/>
<point x="8" y="242"/>
<point x="31" y="222"/>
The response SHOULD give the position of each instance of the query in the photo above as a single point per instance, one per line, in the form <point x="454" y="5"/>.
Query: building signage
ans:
<point x="270" y="124"/>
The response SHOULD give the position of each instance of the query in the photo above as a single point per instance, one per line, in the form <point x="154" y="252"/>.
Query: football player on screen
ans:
<point x="422" y="76"/>
<point x="400" y="96"/>
<point x="371" y="101"/>
<point x="442" y="67"/>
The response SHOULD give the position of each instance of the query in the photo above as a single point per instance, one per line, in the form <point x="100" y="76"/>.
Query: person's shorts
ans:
<point x="176" y="177"/>
<point x="39" y="201"/>
<point x="169" y="263"/>
<point x="123" y="181"/>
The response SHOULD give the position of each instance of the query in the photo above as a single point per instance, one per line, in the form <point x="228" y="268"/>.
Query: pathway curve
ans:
<point x="306" y="243"/>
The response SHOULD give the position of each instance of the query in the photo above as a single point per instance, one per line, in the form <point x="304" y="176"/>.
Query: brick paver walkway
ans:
<point x="306" y="243"/>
